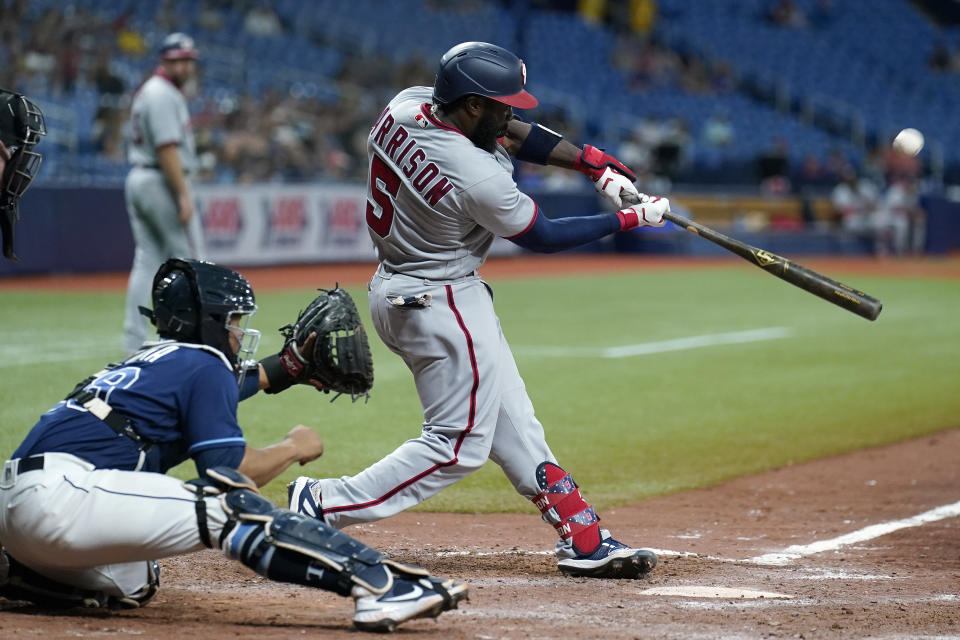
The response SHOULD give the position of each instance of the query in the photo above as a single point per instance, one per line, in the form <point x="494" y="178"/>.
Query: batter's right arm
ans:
<point x="538" y="144"/>
<point x="168" y="158"/>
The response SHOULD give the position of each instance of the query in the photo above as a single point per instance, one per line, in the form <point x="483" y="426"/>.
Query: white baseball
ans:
<point x="909" y="141"/>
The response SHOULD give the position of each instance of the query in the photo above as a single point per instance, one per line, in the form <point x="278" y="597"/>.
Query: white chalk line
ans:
<point x="788" y="555"/>
<point x="796" y="552"/>
<point x="16" y="351"/>
<point x="660" y="346"/>
<point x="23" y="348"/>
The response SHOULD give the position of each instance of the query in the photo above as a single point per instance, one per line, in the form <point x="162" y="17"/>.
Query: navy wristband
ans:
<point x="538" y="144"/>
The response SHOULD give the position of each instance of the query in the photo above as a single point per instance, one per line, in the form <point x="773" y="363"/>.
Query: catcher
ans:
<point x="86" y="507"/>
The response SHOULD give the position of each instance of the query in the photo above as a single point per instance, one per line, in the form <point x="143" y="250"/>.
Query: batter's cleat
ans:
<point x="612" y="559"/>
<point x="303" y="495"/>
<point x="406" y="600"/>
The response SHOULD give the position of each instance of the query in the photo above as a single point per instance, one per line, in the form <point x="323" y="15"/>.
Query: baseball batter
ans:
<point x="157" y="190"/>
<point x="85" y="507"/>
<point x="440" y="189"/>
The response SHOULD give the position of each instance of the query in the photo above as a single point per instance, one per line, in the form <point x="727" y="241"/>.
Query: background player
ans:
<point x="85" y="506"/>
<point x="157" y="190"/>
<point x="440" y="189"/>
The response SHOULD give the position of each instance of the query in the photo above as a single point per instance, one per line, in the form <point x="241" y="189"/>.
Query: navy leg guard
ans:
<point x="289" y="547"/>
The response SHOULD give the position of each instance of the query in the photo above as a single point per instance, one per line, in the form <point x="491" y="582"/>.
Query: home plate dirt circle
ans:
<point x="696" y="591"/>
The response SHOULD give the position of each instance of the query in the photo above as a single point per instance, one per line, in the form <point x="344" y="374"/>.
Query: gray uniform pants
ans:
<point x="475" y="405"/>
<point x="158" y="235"/>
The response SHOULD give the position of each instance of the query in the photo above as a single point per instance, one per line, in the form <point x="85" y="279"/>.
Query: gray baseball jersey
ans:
<point x="159" y="116"/>
<point x="434" y="199"/>
<point x="435" y="203"/>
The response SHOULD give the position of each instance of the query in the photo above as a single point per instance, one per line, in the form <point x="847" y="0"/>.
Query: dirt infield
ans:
<point x="897" y="584"/>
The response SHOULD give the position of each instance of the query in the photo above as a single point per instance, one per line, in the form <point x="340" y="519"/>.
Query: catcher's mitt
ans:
<point x="339" y="358"/>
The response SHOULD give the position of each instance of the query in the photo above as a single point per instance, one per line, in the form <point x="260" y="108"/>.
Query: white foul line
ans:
<point x="790" y="553"/>
<point x="867" y="533"/>
<point x="661" y="346"/>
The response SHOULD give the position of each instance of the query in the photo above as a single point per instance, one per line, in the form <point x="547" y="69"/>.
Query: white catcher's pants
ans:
<point x="94" y="529"/>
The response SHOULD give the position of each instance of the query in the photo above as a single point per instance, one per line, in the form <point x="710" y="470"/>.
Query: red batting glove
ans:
<point x="592" y="161"/>
<point x="611" y="178"/>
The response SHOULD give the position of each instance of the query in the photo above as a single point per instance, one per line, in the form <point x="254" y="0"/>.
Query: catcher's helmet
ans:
<point x="193" y="301"/>
<point x="21" y="126"/>
<point x="178" y="46"/>
<point x="483" y="69"/>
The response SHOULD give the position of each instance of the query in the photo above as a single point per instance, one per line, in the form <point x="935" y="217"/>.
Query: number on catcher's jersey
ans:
<point x="384" y="187"/>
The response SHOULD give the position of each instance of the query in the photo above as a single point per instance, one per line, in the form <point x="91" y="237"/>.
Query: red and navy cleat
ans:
<point x="611" y="559"/>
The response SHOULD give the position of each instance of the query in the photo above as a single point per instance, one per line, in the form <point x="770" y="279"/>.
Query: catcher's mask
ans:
<point x="204" y="303"/>
<point x="21" y="126"/>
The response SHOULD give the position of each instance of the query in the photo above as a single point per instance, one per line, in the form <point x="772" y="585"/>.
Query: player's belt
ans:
<point x="147" y="166"/>
<point x="31" y="463"/>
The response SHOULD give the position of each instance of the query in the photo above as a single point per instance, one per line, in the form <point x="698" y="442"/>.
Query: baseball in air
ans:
<point x="909" y="141"/>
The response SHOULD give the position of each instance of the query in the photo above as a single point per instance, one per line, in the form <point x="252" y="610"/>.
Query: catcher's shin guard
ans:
<point x="290" y="547"/>
<point x="562" y="506"/>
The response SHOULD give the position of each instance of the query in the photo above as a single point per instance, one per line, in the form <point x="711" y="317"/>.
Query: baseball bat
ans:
<point x="818" y="284"/>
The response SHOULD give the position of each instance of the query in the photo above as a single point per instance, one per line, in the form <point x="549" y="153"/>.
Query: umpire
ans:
<point x="157" y="191"/>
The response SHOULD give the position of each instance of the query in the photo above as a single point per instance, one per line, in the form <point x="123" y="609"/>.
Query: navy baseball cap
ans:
<point x="178" y="46"/>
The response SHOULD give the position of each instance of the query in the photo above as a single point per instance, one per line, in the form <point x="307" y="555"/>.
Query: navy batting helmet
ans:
<point x="178" y="46"/>
<point x="483" y="69"/>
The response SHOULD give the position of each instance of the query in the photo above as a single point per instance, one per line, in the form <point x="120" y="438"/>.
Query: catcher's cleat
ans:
<point x="406" y="600"/>
<point x="611" y="559"/>
<point x="303" y="495"/>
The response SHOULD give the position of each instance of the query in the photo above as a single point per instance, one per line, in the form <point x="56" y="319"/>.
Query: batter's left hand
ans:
<point x="611" y="178"/>
<point x="647" y="213"/>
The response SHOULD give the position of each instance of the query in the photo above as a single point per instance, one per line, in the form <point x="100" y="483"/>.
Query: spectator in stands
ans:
<point x="210" y="17"/>
<point x="262" y="20"/>
<point x="647" y="64"/>
<point x="940" y="59"/>
<point x="637" y="150"/>
<point x="774" y="168"/>
<point x="718" y="130"/>
<point x="673" y="150"/>
<point x="854" y="201"/>
<point x="129" y="40"/>
<point x="785" y="13"/>
<point x="901" y="224"/>
<point x="109" y="118"/>
<point x="39" y="60"/>
<point x="68" y="61"/>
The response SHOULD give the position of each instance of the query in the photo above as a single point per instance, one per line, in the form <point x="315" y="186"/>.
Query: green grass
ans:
<point x="627" y="428"/>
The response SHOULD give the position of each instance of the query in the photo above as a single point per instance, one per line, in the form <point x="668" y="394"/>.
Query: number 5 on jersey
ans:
<point x="384" y="186"/>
